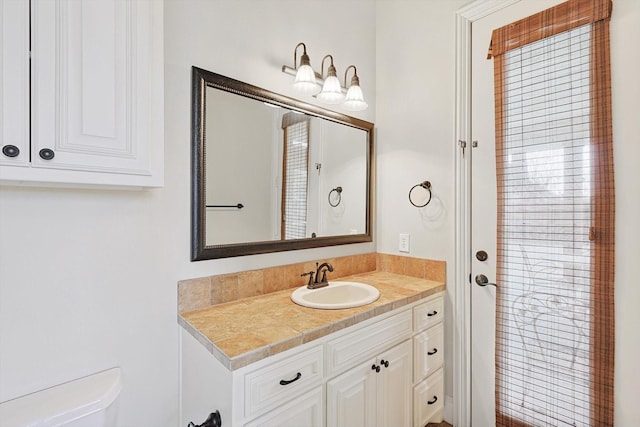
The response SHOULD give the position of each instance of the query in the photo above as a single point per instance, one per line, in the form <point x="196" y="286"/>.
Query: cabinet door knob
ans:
<point x="47" y="154"/>
<point x="385" y="363"/>
<point x="432" y="352"/>
<point x="375" y="367"/>
<point x="10" y="150"/>
<point x="432" y="401"/>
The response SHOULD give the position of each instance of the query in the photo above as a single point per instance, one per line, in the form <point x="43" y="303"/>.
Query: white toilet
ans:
<point x="86" y="402"/>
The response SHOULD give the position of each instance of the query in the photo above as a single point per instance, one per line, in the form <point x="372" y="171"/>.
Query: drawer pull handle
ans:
<point x="432" y="313"/>
<point x="432" y="352"/>
<point x="287" y="382"/>
<point x="431" y="402"/>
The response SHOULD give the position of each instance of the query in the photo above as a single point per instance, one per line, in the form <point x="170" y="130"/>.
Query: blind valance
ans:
<point x="563" y="17"/>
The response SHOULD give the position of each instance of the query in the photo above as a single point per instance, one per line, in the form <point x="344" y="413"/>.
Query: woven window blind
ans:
<point x="555" y="314"/>
<point x="294" y="190"/>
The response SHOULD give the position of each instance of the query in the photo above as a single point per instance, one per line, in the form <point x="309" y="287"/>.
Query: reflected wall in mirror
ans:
<point x="270" y="173"/>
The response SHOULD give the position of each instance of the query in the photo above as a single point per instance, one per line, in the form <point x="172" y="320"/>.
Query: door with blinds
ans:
<point x="542" y="285"/>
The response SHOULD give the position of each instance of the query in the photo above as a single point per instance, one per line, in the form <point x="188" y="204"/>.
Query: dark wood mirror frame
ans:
<point x="201" y="79"/>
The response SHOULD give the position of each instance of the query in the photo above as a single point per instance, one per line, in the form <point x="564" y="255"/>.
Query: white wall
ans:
<point x="240" y="134"/>
<point x="415" y="84"/>
<point x="88" y="277"/>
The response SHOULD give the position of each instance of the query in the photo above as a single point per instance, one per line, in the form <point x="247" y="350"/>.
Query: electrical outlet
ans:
<point x="403" y="243"/>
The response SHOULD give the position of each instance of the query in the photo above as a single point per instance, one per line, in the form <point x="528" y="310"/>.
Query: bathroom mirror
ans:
<point x="270" y="173"/>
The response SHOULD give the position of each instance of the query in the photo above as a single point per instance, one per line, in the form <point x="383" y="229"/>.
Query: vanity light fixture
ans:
<point x="309" y="82"/>
<point x="305" y="81"/>
<point x="354" y="100"/>
<point x="331" y="92"/>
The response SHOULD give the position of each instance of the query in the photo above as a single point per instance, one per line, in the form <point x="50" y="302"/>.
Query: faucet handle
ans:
<point x="310" y="274"/>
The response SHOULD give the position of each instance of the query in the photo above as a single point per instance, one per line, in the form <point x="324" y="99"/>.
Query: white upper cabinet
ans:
<point x="96" y="94"/>
<point x="14" y="82"/>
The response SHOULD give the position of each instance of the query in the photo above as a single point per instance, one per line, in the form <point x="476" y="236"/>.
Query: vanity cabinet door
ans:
<point x="394" y="387"/>
<point x="96" y="98"/>
<point x="14" y="83"/>
<point x="375" y="393"/>
<point x="352" y="397"/>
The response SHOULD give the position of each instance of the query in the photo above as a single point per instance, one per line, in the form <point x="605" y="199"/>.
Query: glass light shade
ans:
<point x="305" y="81"/>
<point x="331" y="91"/>
<point x="354" y="100"/>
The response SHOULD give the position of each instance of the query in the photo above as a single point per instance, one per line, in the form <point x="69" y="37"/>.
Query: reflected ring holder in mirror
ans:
<point x="424" y="185"/>
<point x="338" y="191"/>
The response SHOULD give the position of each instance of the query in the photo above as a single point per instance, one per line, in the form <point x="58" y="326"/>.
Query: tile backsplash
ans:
<point x="206" y="291"/>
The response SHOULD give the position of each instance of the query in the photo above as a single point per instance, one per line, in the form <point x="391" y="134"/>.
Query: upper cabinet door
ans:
<point x="14" y="82"/>
<point x="97" y="90"/>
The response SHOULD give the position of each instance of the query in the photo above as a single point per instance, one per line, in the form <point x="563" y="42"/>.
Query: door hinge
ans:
<point x="463" y="145"/>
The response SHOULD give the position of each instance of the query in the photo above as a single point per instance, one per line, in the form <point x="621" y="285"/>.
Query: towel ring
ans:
<point x="427" y="186"/>
<point x="338" y="191"/>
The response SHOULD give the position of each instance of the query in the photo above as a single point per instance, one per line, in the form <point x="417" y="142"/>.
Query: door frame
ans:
<point x="465" y="17"/>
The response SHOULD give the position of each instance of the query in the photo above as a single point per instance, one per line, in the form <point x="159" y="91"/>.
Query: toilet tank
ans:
<point x="86" y="402"/>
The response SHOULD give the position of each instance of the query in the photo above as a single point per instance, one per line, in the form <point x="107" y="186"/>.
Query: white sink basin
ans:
<point x="335" y="296"/>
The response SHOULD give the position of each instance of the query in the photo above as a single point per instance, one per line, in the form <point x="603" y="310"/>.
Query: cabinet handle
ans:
<point x="287" y="382"/>
<point x="385" y="363"/>
<point x="432" y="352"/>
<point x="375" y="367"/>
<point x="431" y="402"/>
<point x="47" y="154"/>
<point x="432" y="313"/>
<point x="10" y="151"/>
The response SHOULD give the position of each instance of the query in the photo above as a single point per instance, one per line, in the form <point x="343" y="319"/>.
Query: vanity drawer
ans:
<point x="428" y="351"/>
<point x="428" y="314"/>
<point x="306" y="410"/>
<point x="353" y="348"/>
<point x="275" y="384"/>
<point x="428" y="400"/>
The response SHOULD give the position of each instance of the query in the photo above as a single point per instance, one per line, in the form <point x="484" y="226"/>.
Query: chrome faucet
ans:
<point x="319" y="282"/>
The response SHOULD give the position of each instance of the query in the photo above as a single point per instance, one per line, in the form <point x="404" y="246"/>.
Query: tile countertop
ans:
<point x="242" y="332"/>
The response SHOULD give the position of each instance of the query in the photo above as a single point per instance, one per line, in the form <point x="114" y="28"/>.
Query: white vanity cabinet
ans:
<point x="373" y="373"/>
<point x="93" y="113"/>
<point x="14" y="82"/>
